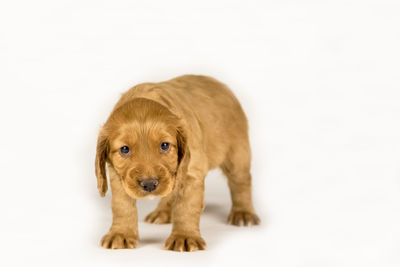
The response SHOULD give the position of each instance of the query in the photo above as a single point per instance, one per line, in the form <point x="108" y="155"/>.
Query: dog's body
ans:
<point x="160" y="140"/>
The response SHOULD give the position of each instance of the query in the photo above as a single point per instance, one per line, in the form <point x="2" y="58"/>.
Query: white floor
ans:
<point x="319" y="81"/>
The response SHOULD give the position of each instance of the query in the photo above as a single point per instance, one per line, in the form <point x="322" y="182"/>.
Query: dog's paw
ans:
<point x="118" y="241"/>
<point x="159" y="217"/>
<point x="185" y="243"/>
<point x="243" y="218"/>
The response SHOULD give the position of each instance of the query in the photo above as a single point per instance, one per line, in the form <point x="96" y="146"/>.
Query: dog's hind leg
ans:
<point x="162" y="214"/>
<point x="236" y="167"/>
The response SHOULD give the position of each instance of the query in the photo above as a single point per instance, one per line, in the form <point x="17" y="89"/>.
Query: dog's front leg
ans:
<point x="124" y="229"/>
<point x="185" y="216"/>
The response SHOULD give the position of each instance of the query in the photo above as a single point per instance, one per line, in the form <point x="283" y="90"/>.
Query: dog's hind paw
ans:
<point x="243" y="218"/>
<point x="159" y="217"/>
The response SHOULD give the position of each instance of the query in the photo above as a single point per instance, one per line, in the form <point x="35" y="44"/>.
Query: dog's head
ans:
<point x="145" y="143"/>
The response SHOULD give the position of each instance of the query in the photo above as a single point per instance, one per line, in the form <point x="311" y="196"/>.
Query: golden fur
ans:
<point x="206" y="128"/>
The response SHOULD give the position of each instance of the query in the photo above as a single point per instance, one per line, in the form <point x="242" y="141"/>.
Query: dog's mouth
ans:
<point x="147" y="189"/>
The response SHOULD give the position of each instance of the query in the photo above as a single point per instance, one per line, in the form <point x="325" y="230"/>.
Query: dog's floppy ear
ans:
<point x="183" y="151"/>
<point x="100" y="163"/>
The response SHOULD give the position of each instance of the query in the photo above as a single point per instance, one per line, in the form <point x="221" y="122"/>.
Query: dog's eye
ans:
<point x="164" y="147"/>
<point x="124" y="150"/>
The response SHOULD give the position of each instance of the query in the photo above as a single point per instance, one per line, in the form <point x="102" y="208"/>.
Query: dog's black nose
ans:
<point x="149" y="184"/>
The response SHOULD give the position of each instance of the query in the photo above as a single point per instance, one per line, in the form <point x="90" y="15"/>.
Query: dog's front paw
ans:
<point x="185" y="243"/>
<point x="240" y="218"/>
<point x="159" y="217"/>
<point x="114" y="240"/>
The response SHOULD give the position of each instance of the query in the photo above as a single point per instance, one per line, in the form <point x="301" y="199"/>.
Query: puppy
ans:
<point x="160" y="140"/>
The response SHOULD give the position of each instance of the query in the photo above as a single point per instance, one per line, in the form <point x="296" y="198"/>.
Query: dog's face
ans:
<point x="145" y="155"/>
<point x="142" y="142"/>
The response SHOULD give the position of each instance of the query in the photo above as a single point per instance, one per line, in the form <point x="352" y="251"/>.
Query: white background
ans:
<point x="319" y="81"/>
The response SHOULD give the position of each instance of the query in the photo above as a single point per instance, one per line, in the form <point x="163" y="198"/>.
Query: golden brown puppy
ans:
<point x="160" y="140"/>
